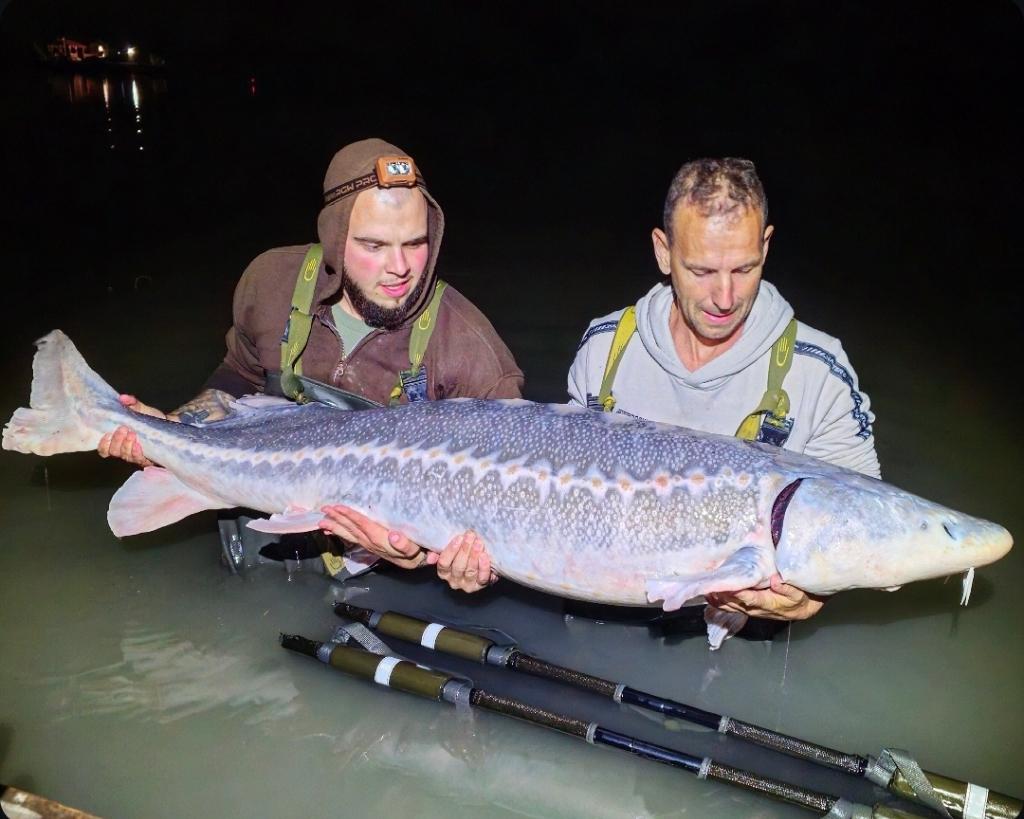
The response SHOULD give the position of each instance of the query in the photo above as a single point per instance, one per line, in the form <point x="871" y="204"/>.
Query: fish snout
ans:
<point x="980" y="541"/>
<point x="989" y="540"/>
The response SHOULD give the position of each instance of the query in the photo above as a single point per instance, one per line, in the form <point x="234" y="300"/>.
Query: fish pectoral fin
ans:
<point x="154" y="497"/>
<point x="294" y="519"/>
<point x="747" y="567"/>
<point x="722" y="625"/>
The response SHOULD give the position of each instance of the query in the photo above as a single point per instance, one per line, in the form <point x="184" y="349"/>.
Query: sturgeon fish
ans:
<point x="595" y="506"/>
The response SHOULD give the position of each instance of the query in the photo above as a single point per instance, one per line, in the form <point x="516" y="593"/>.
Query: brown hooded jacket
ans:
<point x="465" y="356"/>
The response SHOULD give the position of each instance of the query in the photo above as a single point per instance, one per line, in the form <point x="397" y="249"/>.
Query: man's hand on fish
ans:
<point x="778" y="602"/>
<point x="356" y="528"/>
<point x="464" y="563"/>
<point x="122" y="442"/>
<point x="209" y="405"/>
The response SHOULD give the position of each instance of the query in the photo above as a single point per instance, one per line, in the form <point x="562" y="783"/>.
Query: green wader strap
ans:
<point x="623" y="333"/>
<point x="418" y="340"/>
<point x="775" y="401"/>
<point x="300" y="322"/>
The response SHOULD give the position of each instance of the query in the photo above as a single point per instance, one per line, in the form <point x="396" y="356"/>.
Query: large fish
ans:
<point x="582" y="504"/>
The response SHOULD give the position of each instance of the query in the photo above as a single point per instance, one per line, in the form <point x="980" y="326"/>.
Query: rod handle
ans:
<point x="389" y="671"/>
<point x="434" y="636"/>
<point x="783" y="791"/>
<point x="800" y="748"/>
<point x="881" y="811"/>
<point x="956" y="795"/>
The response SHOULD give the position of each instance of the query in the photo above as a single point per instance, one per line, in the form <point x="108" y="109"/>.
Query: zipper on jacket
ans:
<point x="339" y="368"/>
<point x="342" y="365"/>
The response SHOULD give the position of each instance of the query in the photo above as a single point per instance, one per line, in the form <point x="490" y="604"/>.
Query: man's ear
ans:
<point x="662" y="253"/>
<point x="768" y="231"/>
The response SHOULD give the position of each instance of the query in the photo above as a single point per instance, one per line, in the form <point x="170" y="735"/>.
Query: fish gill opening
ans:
<point x="779" y="509"/>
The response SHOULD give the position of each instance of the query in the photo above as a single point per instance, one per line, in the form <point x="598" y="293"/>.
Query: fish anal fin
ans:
<point x="746" y="568"/>
<point x="154" y="497"/>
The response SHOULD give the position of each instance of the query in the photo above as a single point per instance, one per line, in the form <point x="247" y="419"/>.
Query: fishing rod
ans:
<point x="404" y="675"/>
<point x="893" y="769"/>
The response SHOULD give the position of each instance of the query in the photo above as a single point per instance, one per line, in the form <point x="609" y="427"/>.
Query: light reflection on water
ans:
<point x="111" y="106"/>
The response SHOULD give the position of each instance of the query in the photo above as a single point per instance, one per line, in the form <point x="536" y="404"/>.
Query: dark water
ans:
<point x="130" y="204"/>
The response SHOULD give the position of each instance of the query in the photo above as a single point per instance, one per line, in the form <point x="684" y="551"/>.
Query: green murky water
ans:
<point x="140" y="678"/>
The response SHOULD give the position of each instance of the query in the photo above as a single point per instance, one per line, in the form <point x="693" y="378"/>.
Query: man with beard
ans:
<point x="359" y="318"/>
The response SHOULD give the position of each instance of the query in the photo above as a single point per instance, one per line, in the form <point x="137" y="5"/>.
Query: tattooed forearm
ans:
<point x="209" y="405"/>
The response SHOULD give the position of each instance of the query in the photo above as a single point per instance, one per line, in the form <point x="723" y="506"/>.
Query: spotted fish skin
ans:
<point x="563" y="497"/>
<point x="596" y="506"/>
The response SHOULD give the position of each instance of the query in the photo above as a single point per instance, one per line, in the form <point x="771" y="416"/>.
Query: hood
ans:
<point x="351" y="164"/>
<point x="768" y="318"/>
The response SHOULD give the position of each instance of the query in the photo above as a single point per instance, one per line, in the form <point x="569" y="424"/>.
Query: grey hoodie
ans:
<point x="831" y="415"/>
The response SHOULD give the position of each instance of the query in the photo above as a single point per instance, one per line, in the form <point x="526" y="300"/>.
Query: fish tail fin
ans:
<point x="66" y="394"/>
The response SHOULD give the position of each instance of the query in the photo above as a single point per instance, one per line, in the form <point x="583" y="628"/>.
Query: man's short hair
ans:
<point x="716" y="187"/>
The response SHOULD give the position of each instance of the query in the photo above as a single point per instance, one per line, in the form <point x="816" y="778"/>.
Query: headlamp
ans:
<point x="389" y="172"/>
<point x="396" y="172"/>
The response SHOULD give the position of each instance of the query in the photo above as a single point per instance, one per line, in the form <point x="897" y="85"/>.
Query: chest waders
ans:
<point x="242" y="545"/>
<point x="768" y="423"/>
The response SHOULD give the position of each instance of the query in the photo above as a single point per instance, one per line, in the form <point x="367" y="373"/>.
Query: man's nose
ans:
<point x="724" y="292"/>
<point x="398" y="260"/>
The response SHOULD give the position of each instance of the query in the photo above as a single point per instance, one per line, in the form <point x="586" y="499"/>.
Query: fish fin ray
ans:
<point x="294" y="519"/>
<point x="154" y="497"/>
<point x="64" y="387"/>
<point x="745" y="568"/>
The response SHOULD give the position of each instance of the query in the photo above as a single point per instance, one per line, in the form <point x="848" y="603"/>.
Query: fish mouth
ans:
<point x="779" y="509"/>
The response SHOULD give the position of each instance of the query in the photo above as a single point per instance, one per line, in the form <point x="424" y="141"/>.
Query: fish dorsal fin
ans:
<point x="153" y="497"/>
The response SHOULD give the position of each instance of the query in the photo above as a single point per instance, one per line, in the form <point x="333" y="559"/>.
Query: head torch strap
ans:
<point x="388" y="172"/>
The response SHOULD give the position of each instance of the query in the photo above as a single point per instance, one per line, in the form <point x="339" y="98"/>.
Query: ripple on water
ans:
<point x="165" y="678"/>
